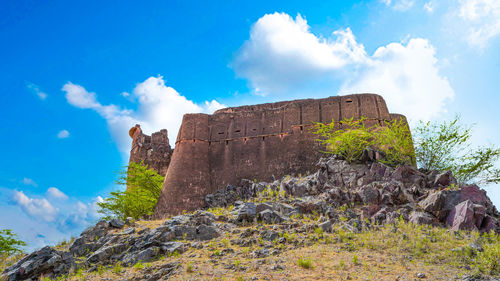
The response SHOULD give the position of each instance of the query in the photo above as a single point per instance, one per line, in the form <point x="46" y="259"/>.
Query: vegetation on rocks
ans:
<point x="143" y="188"/>
<point x="350" y="138"/>
<point x="447" y="146"/>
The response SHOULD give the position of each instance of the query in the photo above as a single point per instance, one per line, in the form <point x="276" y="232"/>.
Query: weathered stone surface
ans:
<point x="368" y="194"/>
<point x="422" y="218"/>
<point x="42" y="261"/>
<point x="269" y="216"/>
<point x="246" y="212"/>
<point x="444" y="179"/>
<point x="154" y="150"/>
<point x="462" y="216"/>
<point x="116" y="223"/>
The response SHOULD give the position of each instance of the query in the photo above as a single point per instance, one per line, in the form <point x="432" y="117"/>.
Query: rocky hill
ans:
<point x="345" y="222"/>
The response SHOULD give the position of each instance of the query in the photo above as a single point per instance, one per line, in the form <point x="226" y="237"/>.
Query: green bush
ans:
<point x="349" y="138"/>
<point x="9" y="244"/>
<point x="305" y="263"/>
<point x="143" y="188"/>
<point x="447" y="146"/>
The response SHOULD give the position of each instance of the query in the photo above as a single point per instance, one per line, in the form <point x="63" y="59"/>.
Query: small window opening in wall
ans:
<point x="348" y="101"/>
<point x="237" y="131"/>
<point x="227" y="142"/>
<point x="254" y="129"/>
<point x="221" y="133"/>
<point x="194" y="140"/>
<point x="209" y="143"/>
<point x="301" y="128"/>
<point x="263" y="138"/>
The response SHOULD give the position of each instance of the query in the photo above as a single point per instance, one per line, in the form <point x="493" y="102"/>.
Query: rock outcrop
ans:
<point x="357" y="196"/>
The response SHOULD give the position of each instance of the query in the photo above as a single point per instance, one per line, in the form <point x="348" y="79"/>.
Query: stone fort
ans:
<point x="263" y="142"/>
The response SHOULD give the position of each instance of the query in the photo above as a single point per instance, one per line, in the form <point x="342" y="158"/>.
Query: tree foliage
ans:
<point x="447" y="146"/>
<point x="143" y="188"/>
<point x="349" y="138"/>
<point x="9" y="244"/>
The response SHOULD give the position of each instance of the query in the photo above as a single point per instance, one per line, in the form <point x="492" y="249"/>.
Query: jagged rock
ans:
<point x="422" y="218"/>
<point x="146" y="255"/>
<point x="462" y="216"/>
<point x="326" y="226"/>
<point x="128" y="231"/>
<point x="263" y="206"/>
<point x="270" y="235"/>
<point x="246" y="213"/>
<point x="205" y="232"/>
<point x="368" y="194"/>
<point x="444" y="179"/>
<point x="45" y="260"/>
<point x="116" y="223"/>
<point x="269" y="216"/>
<point x="106" y="252"/>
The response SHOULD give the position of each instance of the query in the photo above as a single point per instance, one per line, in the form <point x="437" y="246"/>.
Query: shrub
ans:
<point x="143" y="188"/>
<point x="349" y="138"/>
<point x="349" y="141"/>
<point x="305" y="263"/>
<point x="447" y="146"/>
<point x="9" y="244"/>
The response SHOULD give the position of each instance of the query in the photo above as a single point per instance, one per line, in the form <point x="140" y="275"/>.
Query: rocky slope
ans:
<point x="340" y="200"/>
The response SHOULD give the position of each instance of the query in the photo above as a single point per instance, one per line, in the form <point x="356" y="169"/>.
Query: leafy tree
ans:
<point x="447" y="146"/>
<point x="349" y="138"/>
<point x="9" y="244"/>
<point x="143" y="188"/>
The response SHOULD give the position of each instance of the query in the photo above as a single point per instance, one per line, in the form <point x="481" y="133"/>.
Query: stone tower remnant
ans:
<point x="262" y="142"/>
<point x="154" y="150"/>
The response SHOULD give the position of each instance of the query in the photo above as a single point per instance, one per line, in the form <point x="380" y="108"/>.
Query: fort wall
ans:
<point x="263" y="141"/>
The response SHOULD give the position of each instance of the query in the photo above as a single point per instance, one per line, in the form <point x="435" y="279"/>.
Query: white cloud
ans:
<point x="480" y="19"/>
<point x="28" y="181"/>
<point x="160" y="107"/>
<point x="283" y="56"/>
<point x="282" y="53"/>
<point x="37" y="222"/>
<point x="429" y="6"/>
<point x="55" y="193"/>
<point x="63" y="134"/>
<point x="399" y="5"/>
<point x="77" y="96"/>
<point x="40" y="208"/>
<point x="36" y="89"/>
<point x="407" y="77"/>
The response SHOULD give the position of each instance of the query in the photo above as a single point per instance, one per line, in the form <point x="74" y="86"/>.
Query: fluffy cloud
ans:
<point x="282" y="55"/>
<point x="159" y="107"/>
<point x="481" y="20"/>
<point x="40" y="208"/>
<point x="63" y="134"/>
<point x="55" y="193"/>
<point x="28" y="181"/>
<point x="407" y="77"/>
<point x="35" y="89"/>
<point x="38" y="222"/>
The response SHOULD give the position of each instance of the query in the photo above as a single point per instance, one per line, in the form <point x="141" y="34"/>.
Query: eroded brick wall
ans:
<point x="154" y="150"/>
<point x="263" y="141"/>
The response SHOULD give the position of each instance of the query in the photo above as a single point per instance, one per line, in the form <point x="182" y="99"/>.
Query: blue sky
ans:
<point x="77" y="74"/>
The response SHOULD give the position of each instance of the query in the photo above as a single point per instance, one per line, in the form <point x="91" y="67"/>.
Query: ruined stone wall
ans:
<point x="259" y="141"/>
<point x="154" y="150"/>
